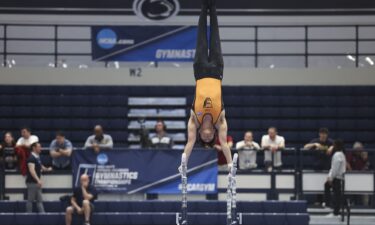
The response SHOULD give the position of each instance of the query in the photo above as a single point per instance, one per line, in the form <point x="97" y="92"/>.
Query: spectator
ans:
<point x="272" y="144"/>
<point x="335" y="177"/>
<point x="23" y="147"/>
<point x="33" y="179"/>
<point x="82" y="201"/>
<point x="248" y="155"/>
<point x="99" y="140"/>
<point x="358" y="159"/>
<point x="161" y="139"/>
<point x="323" y="147"/>
<point x="8" y="152"/>
<point x="60" y="151"/>
<point x="222" y="162"/>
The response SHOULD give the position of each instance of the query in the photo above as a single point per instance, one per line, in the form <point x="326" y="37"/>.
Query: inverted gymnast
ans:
<point x="207" y="116"/>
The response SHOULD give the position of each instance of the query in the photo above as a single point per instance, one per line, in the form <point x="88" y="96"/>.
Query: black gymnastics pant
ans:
<point x="208" y="62"/>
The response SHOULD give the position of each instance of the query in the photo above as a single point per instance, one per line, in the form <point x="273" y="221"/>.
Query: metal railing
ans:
<point x="253" y="46"/>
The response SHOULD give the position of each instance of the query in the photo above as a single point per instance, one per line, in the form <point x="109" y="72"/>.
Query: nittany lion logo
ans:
<point x="207" y="103"/>
<point x="156" y="9"/>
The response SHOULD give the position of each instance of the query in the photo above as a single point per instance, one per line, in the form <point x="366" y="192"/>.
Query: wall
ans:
<point x="184" y="76"/>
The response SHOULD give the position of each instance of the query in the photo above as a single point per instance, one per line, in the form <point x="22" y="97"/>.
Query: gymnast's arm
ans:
<point x="192" y="136"/>
<point x="222" y="128"/>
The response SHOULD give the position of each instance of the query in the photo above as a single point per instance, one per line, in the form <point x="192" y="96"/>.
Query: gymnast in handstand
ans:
<point x="207" y="119"/>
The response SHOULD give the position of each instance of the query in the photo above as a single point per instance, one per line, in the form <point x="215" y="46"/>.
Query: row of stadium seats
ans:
<point x="232" y="100"/>
<point x="169" y="206"/>
<point x="140" y="218"/>
<point x="161" y="212"/>
<point x="189" y="90"/>
<point x="232" y="111"/>
<point x="298" y="112"/>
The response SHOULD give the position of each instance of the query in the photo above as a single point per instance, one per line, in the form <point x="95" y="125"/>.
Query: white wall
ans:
<point x="184" y="76"/>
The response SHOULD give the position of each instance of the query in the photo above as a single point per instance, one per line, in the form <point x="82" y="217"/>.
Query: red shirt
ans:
<point x="221" y="160"/>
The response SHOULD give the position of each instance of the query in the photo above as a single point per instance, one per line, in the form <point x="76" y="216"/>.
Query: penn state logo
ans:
<point x="156" y="10"/>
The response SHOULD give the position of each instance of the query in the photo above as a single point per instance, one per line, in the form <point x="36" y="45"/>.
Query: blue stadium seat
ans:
<point x="61" y="124"/>
<point x="101" y="206"/>
<point x="119" y="207"/>
<point x="7" y="218"/>
<point x="252" y="112"/>
<point x="253" y="219"/>
<point x="297" y="219"/>
<point x="6" y="124"/>
<point x="42" y="100"/>
<point x="296" y="207"/>
<point x="6" y="111"/>
<point x="40" y="124"/>
<point x="61" y="111"/>
<point x="26" y="218"/>
<point x="289" y="112"/>
<point x="251" y="207"/>
<point x="22" y="111"/>
<point x="309" y="112"/>
<point x="273" y="207"/>
<point x="80" y="112"/>
<point x="275" y="219"/>
<point x="118" y="100"/>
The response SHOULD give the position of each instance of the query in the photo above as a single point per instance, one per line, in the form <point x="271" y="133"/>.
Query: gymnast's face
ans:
<point x="207" y="132"/>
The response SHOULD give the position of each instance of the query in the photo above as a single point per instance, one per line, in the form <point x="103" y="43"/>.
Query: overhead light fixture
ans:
<point x="350" y="57"/>
<point x="369" y="60"/>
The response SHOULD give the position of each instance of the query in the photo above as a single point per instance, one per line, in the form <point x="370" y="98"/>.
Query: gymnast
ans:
<point x="207" y="116"/>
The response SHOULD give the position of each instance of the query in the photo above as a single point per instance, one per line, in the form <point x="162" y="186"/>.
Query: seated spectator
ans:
<point x="23" y="147"/>
<point x="335" y="178"/>
<point x="60" y="151"/>
<point x="222" y="161"/>
<point x="33" y="179"/>
<point x="161" y="139"/>
<point x="272" y="144"/>
<point x="247" y="153"/>
<point x="99" y="140"/>
<point x="8" y="152"/>
<point x="82" y="201"/>
<point x="358" y="159"/>
<point x="323" y="147"/>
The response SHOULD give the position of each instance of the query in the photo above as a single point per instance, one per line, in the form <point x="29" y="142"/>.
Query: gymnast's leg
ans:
<point x="216" y="57"/>
<point x="201" y="50"/>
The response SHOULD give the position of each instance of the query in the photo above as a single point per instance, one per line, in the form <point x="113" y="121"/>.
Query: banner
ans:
<point x="143" y="43"/>
<point x="146" y="171"/>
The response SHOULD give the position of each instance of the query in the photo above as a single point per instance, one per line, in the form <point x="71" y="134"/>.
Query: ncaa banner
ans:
<point x="146" y="171"/>
<point x="143" y="43"/>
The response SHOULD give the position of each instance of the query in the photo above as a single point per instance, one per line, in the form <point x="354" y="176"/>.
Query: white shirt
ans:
<point x="267" y="141"/>
<point x="31" y="140"/>
<point x="278" y="141"/>
<point x="242" y="145"/>
<point x="338" y="166"/>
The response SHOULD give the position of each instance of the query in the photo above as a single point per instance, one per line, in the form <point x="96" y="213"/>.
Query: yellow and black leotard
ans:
<point x="208" y="99"/>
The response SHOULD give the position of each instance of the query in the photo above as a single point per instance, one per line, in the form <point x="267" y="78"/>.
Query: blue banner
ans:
<point x="143" y="43"/>
<point x="146" y="171"/>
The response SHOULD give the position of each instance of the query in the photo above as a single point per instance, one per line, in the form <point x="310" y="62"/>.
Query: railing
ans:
<point x="295" y="46"/>
<point x="297" y="171"/>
